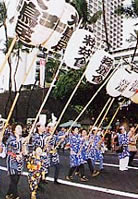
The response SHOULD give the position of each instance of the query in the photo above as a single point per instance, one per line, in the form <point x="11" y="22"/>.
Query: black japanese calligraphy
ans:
<point x="64" y="40"/>
<point x="89" y="41"/>
<point x="27" y="20"/>
<point x="122" y="85"/>
<point x="105" y="66"/>
<point x="80" y="62"/>
<point x="134" y="86"/>
<point x="97" y="79"/>
<point x="85" y="51"/>
<point x="67" y="32"/>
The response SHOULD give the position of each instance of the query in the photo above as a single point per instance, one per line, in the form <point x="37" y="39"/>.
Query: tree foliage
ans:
<point x="129" y="11"/>
<point x="3" y="13"/>
<point x="67" y="82"/>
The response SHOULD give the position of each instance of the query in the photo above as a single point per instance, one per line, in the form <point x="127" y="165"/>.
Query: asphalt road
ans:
<point x="110" y="184"/>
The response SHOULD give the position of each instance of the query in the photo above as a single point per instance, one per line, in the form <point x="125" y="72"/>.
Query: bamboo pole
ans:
<point x="106" y="112"/>
<point x="95" y="123"/>
<point x="117" y="110"/>
<point x="17" y="96"/>
<point x="8" y="54"/>
<point x="93" y="97"/>
<point x="69" y="100"/>
<point x="46" y="97"/>
<point x="136" y="128"/>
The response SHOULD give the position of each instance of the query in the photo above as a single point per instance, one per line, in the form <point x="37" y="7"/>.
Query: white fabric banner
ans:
<point x="119" y="82"/>
<point x="38" y="19"/>
<point x="61" y="35"/>
<point x="99" y="67"/>
<point x="79" y="49"/>
<point x="132" y="87"/>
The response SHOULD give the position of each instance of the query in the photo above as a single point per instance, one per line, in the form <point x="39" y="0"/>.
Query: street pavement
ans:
<point x="110" y="184"/>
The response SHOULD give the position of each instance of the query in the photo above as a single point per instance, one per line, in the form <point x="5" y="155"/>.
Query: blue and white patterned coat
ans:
<point x="38" y="140"/>
<point x="76" y="159"/>
<point x="89" y="151"/>
<point x="123" y="140"/>
<point x="54" y="157"/>
<point x="96" y="151"/>
<point x="14" y="155"/>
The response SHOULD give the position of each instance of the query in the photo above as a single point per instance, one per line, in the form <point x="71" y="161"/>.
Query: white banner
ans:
<point x="38" y="19"/>
<point x="68" y="22"/>
<point x="79" y="49"/>
<point x="99" y="67"/>
<point x="132" y="87"/>
<point x="119" y="82"/>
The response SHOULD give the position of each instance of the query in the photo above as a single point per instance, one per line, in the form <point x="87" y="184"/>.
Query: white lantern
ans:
<point x="79" y="49"/>
<point x="132" y="87"/>
<point x="64" y="30"/>
<point x="99" y="66"/>
<point x="118" y="82"/>
<point x="38" y="19"/>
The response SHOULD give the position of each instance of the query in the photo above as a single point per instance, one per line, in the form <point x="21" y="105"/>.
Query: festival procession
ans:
<point x="68" y="99"/>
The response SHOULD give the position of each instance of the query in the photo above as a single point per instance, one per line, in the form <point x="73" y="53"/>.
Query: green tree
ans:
<point x="130" y="11"/>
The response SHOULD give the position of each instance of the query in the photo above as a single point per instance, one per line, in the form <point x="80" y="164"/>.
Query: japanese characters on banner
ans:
<point x="79" y="49"/>
<point x="99" y="66"/>
<point x="123" y="82"/>
<point x="37" y="20"/>
<point x="67" y="25"/>
<point x="134" y="98"/>
<point x="132" y="87"/>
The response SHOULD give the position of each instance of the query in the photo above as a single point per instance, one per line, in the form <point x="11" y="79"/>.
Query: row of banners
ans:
<point x="53" y="24"/>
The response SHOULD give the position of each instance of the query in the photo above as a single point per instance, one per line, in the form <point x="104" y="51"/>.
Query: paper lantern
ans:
<point x="79" y="49"/>
<point x="99" y="66"/>
<point x="119" y="82"/>
<point x="38" y="19"/>
<point x="134" y="98"/>
<point x="67" y="25"/>
<point x="132" y="87"/>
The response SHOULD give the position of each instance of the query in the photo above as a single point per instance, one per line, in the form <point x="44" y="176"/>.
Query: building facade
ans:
<point x="113" y="21"/>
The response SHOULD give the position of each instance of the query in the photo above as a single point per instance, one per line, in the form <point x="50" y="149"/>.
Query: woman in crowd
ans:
<point x="14" y="160"/>
<point x="76" y="158"/>
<point x="35" y="170"/>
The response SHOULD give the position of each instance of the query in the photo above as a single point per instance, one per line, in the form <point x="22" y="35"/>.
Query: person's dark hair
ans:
<point x="13" y="126"/>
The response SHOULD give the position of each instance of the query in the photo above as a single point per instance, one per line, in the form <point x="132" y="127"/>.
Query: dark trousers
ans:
<point x="131" y="157"/>
<point x="14" y="179"/>
<point x="80" y="168"/>
<point x="89" y="162"/>
<point x="56" y="174"/>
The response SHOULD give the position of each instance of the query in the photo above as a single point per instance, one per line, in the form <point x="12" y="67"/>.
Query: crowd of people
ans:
<point x="40" y="152"/>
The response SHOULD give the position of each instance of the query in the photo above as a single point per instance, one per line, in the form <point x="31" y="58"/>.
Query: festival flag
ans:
<point x="67" y="25"/>
<point x="79" y="49"/>
<point x="99" y="67"/>
<point x="122" y="83"/>
<point x="132" y="87"/>
<point x="38" y="19"/>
